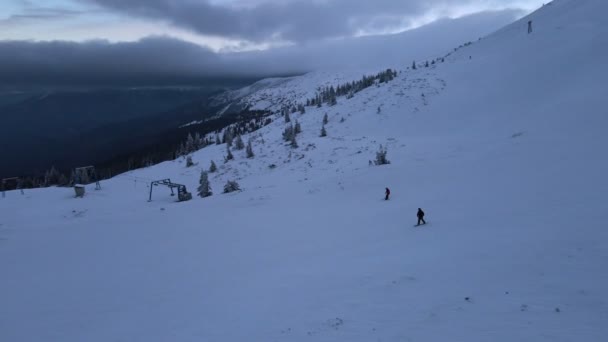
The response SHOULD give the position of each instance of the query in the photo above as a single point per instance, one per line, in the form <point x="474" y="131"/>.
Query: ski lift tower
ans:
<point x="182" y="192"/>
<point x="16" y="181"/>
<point x="86" y="175"/>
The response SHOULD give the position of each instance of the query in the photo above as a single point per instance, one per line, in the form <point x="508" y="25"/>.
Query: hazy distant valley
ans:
<point x="72" y="127"/>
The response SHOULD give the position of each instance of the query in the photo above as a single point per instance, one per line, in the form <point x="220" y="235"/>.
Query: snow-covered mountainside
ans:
<point x="503" y="146"/>
<point x="275" y="94"/>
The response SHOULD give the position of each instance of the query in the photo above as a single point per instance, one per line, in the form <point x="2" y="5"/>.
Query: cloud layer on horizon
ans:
<point x="298" y="20"/>
<point x="169" y="61"/>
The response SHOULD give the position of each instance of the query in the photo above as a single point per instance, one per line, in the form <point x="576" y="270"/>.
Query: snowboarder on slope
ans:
<point x="387" y="193"/>
<point x="420" y="215"/>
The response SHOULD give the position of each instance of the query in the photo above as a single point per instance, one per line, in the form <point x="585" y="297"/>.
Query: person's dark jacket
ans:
<point x="420" y="213"/>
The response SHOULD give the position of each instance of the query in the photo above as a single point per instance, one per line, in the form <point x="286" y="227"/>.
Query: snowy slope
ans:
<point x="274" y="94"/>
<point x="504" y="152"/>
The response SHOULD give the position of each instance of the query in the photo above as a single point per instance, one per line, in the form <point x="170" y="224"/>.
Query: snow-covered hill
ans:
<point x="502" y="145"/>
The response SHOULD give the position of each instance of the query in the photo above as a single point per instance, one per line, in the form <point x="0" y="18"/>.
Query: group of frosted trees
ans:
<point x="204" y="187"/>
<point x="426" y="64"/>
<point x="291" y="131"/>
<point x="231" y="135"/>
<point x="233" y="139"/>
<point x="329" y="95"/>
<point x="243" y="126"/>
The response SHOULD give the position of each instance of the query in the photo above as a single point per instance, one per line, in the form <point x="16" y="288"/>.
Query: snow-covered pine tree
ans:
<point x="332" y="100"/>
<point x="204" y="189"/>
<point x="51" y="177"/>
<point x="323" y="131"/>
<point x="198" y="141"/>
<point x="249" y="150"/>
<point x="228" y="136"/>
<point x="213" y="167"/>
<point x="231" y="186"/>
<point x="189" y="161"/>
<point x="325" y="119"/>
<point x="287" y="118"/>
<point x="229" y="155"/>
<point x="381" y="156"/>
<point x="414" y="65"/>
<point x="297" y="128"/>
<point x="293" y="142"/>
<point x="190" y="144"/>
<point x="218" y="141"/>
<point x="72" y="178"/>
<point x="239" y="144"/>
<point x="288" y="133"/>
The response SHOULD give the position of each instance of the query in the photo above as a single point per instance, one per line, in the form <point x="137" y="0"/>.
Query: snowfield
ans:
<point x="503" y="146"/>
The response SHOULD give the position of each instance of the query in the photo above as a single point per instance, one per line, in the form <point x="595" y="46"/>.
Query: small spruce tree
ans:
<point x="189" y="161"/>
<point x="249" y="150"/>
<point x="229" y="155"/>
<point x="414" y="65"/>
<point x="297" y="128"/>
<point x="293" y="143"/>
<point x="288" y="133"/>
<point x="332" y="100"/>
<point x="325" y="119"/>
<point x="323" y="131"/>
<point x="381" y="156"/>
<point x="228" y="137"/>
<point x="190" y="144"/>
<point x="231" y="186"/>
<point x="204" y="189"/>
<point x="239" y="144"/>
<point x="213" y="167"/>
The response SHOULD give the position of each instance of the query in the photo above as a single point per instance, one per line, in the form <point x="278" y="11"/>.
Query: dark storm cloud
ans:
<point x="156" y="59"/>
<point x="295" y="20"/>
<point x="164" y="60"/>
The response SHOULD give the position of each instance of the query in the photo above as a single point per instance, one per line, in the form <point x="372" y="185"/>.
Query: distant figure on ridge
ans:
<point x="420" y="215"/>
<point x="529" y="26"/>
<point x="387" y="193"/>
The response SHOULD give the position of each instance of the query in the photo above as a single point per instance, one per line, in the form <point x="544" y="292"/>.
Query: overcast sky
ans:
<point x="69" y="39"/>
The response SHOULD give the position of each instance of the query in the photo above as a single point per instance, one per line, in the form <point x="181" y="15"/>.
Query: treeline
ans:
<point x="168" y="145"/>
<point x="247" y="122"/>
<point x="329" y="95"/>
<point x="197" y="136"/>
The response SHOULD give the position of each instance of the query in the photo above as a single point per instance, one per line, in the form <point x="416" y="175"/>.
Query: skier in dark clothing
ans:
<point x="420" y="215"/>
<point x="387" y="193"/>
